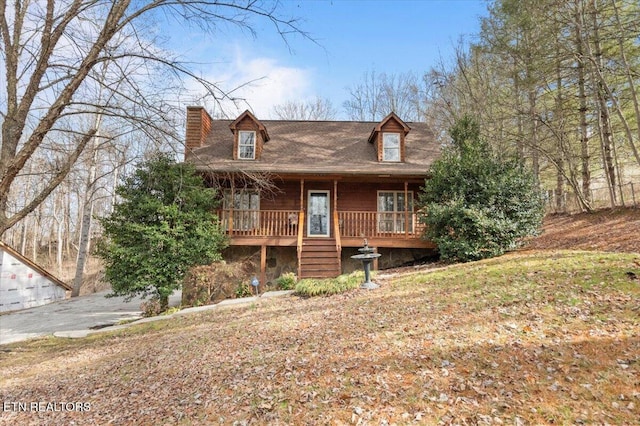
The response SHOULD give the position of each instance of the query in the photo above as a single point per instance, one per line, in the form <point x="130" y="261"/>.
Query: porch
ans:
<point x="348" y="228"/>
<point x="320" y="217"/>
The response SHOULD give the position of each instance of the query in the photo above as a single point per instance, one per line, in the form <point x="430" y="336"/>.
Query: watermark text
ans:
<point x="41" y="406"/>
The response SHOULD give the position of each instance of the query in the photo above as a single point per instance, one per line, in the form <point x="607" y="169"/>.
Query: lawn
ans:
<point x="528" y="338"/>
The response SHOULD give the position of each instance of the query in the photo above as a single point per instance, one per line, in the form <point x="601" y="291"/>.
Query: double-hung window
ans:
<point x="392" y="216"/>
<point x="246" y="145"/>
<point x="391" y="147"/>
<point x="246" y="208"/>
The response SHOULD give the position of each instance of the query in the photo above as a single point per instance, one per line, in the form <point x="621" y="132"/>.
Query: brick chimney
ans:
<point x="198" y="128"/>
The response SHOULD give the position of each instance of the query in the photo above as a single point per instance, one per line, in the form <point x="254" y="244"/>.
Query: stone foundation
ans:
<point x="391" y="257"/>
<point x="281" y="260"/>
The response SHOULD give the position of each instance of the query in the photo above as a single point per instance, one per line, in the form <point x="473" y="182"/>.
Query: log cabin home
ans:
<point x="307" y="193"/>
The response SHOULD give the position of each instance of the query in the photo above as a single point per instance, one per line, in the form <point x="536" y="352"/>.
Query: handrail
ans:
<point x="300" y="239"/>
<point x="336" y="227"/>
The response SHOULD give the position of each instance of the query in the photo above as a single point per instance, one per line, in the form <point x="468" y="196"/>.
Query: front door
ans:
<point x="318" y="214"/>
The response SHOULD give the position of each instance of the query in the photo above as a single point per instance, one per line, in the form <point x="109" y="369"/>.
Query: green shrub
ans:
<point x="326" y="287"/>
<point x="244" y="290"/>
<point x="477" y="205"/>
<point x="171" y="310"/>
<point x="163" y="225"/>
<point x="286" y="281"/>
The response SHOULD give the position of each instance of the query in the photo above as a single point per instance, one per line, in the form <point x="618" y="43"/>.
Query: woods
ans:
<point x="555" y="84"/>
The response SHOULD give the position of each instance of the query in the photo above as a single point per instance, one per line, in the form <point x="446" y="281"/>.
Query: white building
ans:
<point x="24" y="284"/>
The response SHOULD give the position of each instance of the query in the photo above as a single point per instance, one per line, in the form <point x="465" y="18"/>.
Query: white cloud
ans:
<point x="257" y="84"/>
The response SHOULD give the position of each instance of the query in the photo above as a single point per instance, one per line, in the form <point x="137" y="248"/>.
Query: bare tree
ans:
<point x="376" y="95"/>
<point x="87" y="211"/>
<point x="49" y="52"/>
<point x="316" y="109"/>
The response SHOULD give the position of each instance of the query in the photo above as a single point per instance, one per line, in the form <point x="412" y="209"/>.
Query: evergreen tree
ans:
<point x="163" y="225"/>
<point x="476" y="205"/>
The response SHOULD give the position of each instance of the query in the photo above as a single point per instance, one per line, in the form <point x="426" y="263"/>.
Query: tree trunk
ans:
<point x="83" y="246"/>
<point x="632" y="83"/>
<point x="34" y="235"/>
<point x="535" y="156"/>
<point x="87" y="212"/>
<point x="585" y="199"/>
<point x="164" y="303"/>
<point x="560" y="204"/>
<point x="604" y="120"/>
<point x="23" y="236"/>
<point x="559" y="132"/>
<point x="59" y="238"/>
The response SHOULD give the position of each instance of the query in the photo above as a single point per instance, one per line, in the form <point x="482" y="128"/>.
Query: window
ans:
<point x="391" y="213"/>
<point x="246" y="208"/>
<point x="246" y="145"/>
<point x="391" y="147"/>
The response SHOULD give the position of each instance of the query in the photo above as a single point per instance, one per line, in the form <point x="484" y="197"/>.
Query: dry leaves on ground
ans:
<point x="527" y="339"/>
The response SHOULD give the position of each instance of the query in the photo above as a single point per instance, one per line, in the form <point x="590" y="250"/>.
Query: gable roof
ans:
<point x="317" y="147"/>
<point x="380" y="125"/>
<point x="247" y="114"/>
<point x="34" y="266"/>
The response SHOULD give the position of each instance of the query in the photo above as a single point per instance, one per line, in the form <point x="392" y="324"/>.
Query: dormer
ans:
<point x="249" y="136"/>
<point x="389" y="139"/>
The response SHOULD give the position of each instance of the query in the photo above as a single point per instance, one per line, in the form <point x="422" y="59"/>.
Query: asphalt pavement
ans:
<point x="83" y="315"/>
<point x="88" y="312"/>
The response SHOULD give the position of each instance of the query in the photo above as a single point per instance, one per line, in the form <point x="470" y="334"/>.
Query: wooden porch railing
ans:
<point x="348" y="224"/>
<point x="260" y="223"/>
<point x="379" y="224"/>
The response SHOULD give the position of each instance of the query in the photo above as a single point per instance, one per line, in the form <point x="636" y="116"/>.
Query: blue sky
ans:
<point x="353" y="37"/>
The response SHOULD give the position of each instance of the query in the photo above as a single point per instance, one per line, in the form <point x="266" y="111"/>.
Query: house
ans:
<point x="24" y="284"/>
<point x="307" y="193"/>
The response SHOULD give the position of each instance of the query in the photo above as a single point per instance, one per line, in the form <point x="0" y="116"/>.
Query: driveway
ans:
<point x="79" y="313"/>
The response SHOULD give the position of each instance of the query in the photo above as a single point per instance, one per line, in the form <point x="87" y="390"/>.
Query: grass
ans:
<point x="529" y="338"/>
<point x="310" y="287"/>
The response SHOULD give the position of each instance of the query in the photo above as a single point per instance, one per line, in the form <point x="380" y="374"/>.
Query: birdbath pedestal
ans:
<point x="367" y="256"/>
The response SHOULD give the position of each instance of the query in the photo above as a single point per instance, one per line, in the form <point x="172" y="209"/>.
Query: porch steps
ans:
<point x="319" y="258"/>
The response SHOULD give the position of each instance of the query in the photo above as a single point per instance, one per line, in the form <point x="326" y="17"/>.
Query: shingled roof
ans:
<point x="316" y="147"/>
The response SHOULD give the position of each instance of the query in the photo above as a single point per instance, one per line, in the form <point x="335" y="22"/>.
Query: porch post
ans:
<point x="301" y="221"/>
<point x="375" y="260"/>
<point x="263" y="265"/>
<point x="231" y="203"/>
<point x="406" y="209"/>
<point x="336" y="223"/>
<point x="334" y="214"/>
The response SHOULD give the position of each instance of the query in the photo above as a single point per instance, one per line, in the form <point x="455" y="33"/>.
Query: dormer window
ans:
<point x="391" y="147"/>
<point x="389" y="138"/>
<point x="249" y="137"/>
<point x="247" y="145"/>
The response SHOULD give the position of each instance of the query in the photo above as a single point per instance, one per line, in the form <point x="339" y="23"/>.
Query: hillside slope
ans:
<point x="606" y="230"/>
